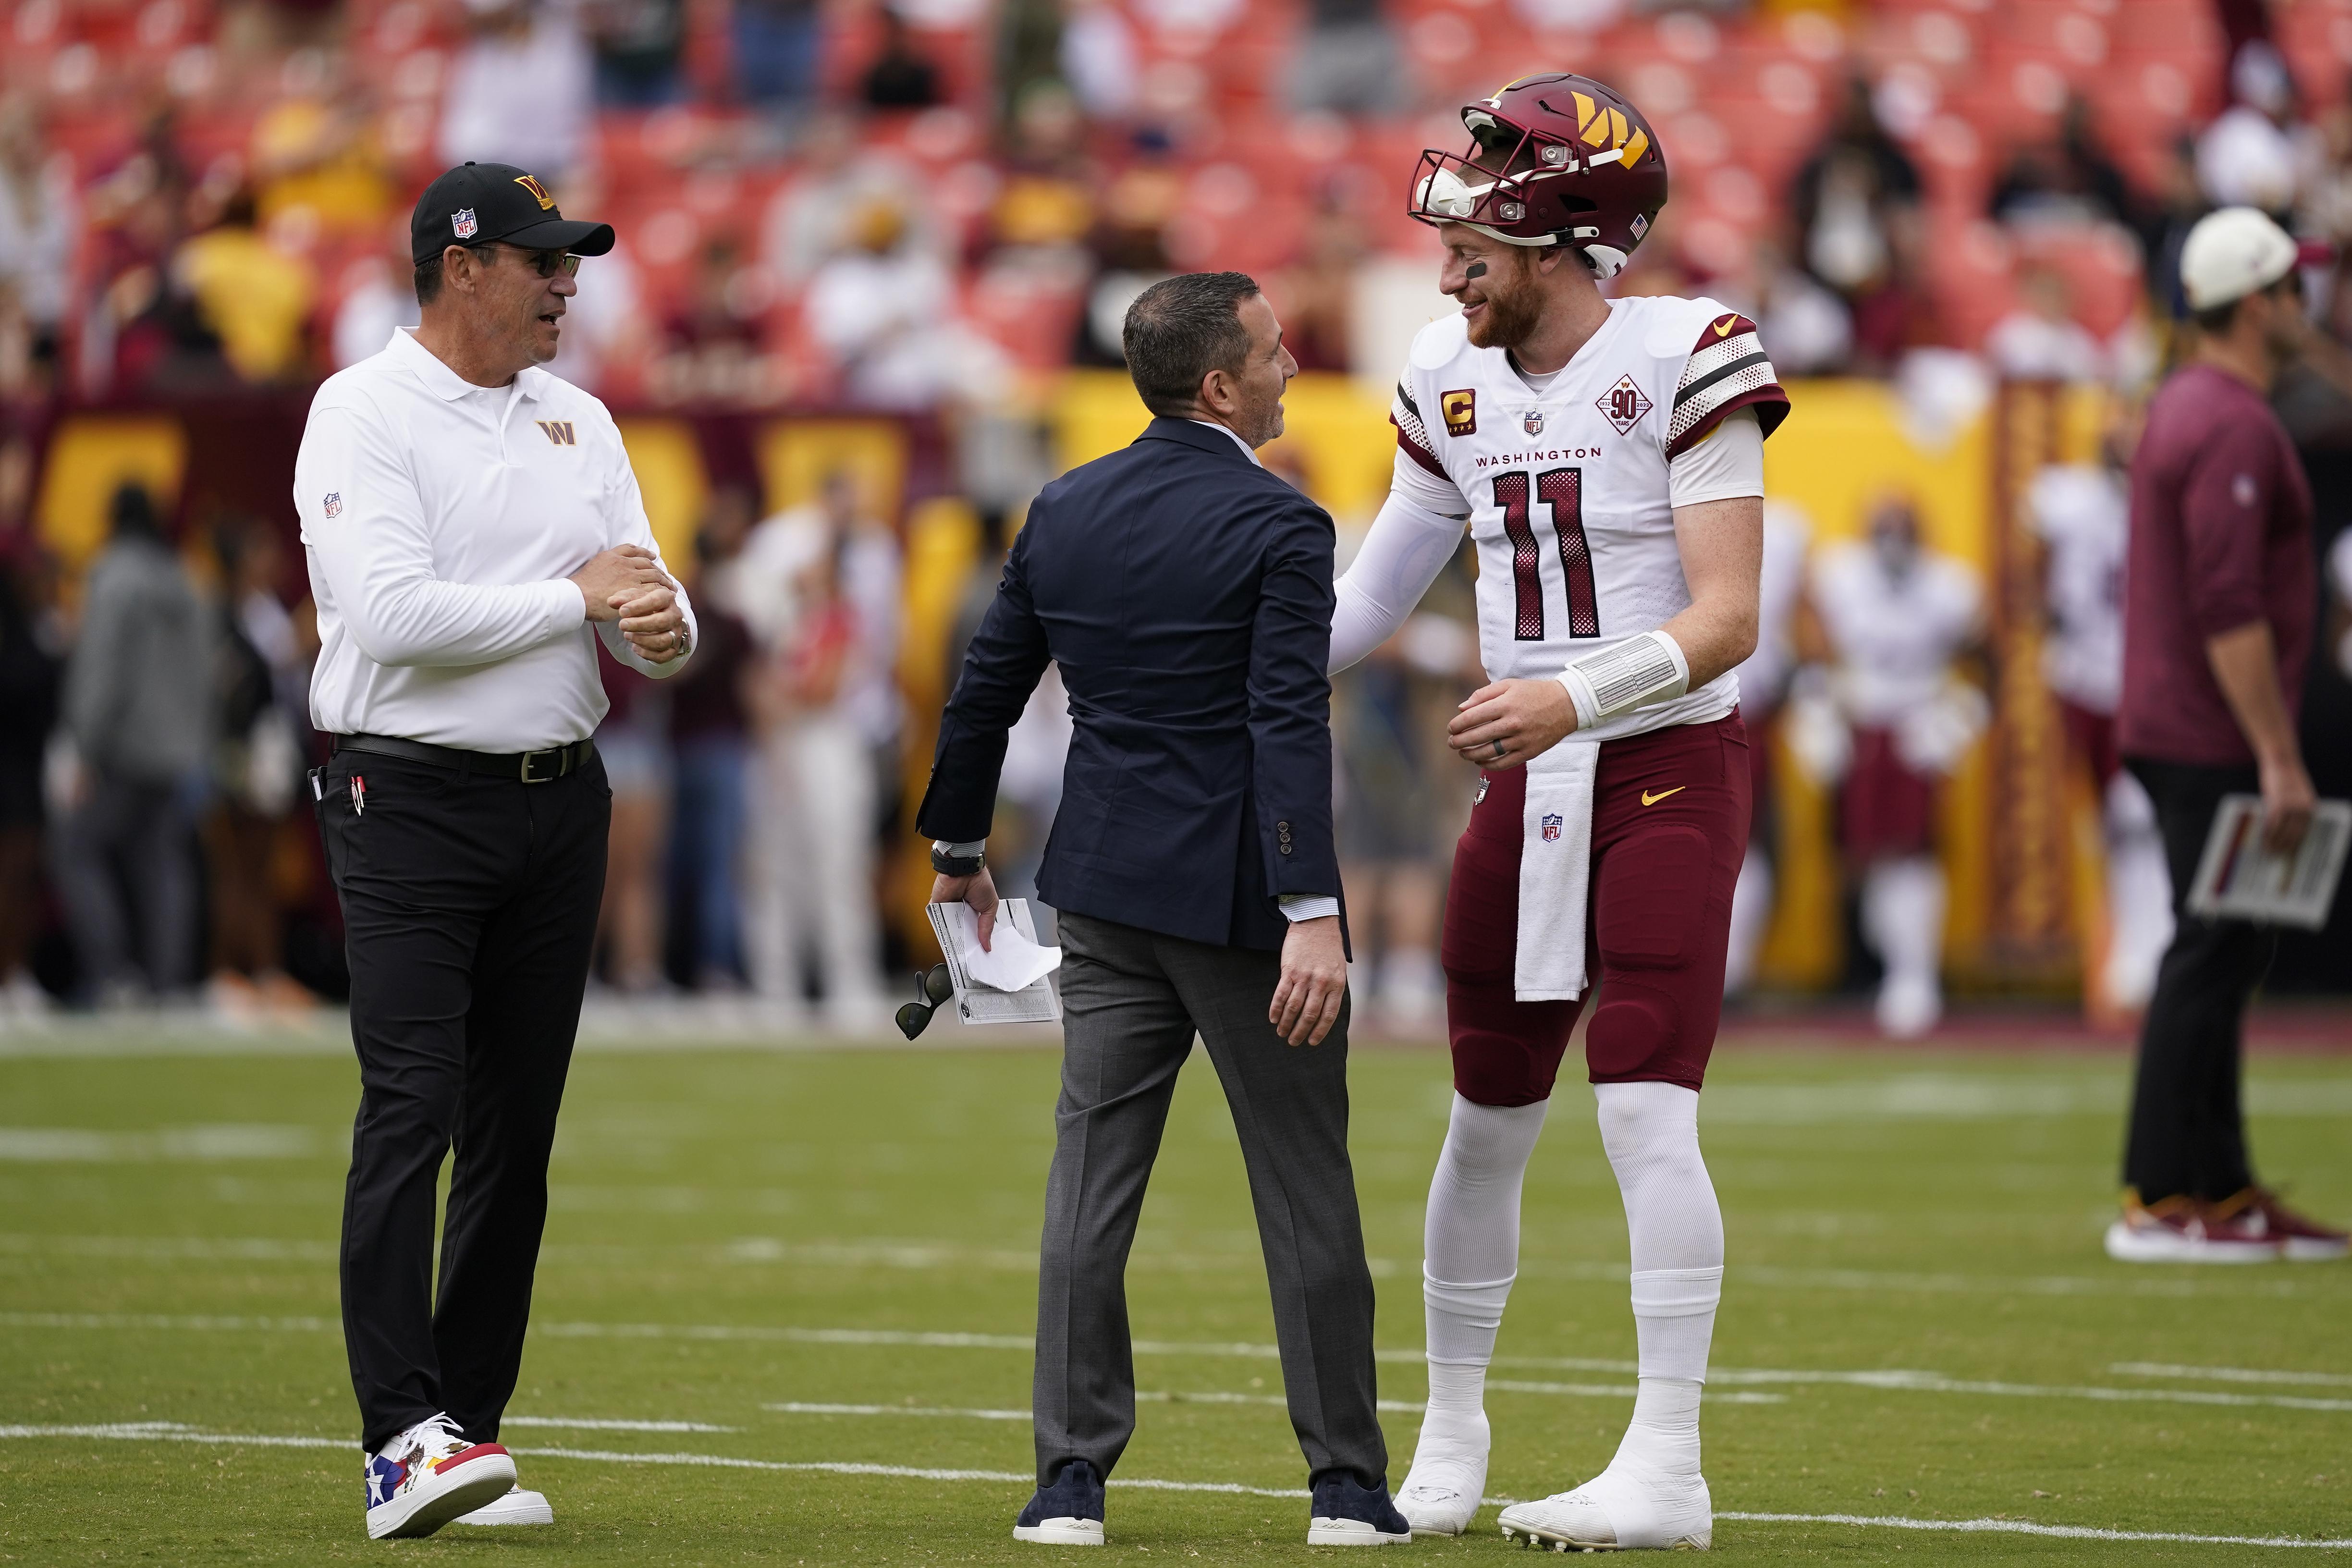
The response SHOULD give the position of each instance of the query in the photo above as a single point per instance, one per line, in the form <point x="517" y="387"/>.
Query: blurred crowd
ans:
<point x="933" y="207"/>
<point x="908" y="203"/>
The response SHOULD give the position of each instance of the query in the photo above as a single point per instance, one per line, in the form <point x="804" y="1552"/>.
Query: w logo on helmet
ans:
<point x="1599" y="126"/>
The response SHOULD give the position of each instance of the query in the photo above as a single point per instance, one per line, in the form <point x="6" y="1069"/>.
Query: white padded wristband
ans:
<point x="1635" y="673"/>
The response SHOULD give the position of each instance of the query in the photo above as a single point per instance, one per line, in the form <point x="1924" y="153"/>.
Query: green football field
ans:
<point x="784" y="1304"/>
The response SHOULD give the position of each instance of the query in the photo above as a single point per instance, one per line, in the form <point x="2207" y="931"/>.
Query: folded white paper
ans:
<point x="1011" y="961"/>
<point x="1008" y="983"/>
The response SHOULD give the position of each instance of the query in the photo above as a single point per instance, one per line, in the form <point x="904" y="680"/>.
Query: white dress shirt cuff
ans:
<point x="1296" y="907"/>
<point x="567" y="607"/>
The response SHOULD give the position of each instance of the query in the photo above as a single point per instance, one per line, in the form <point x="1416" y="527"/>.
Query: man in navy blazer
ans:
<point x="1185" y="593"/>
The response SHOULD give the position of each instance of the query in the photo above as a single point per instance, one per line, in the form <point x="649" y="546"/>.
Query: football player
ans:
<point x="1606" y="457"/>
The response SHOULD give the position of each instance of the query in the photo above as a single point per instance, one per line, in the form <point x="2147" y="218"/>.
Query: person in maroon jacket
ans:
<point x="2218" y="606"/>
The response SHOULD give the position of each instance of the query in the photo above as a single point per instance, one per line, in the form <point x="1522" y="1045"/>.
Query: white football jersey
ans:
<point x="2083" y="513"/>
<point x="1568" y="489"/>
<point x="1894" y="634"/>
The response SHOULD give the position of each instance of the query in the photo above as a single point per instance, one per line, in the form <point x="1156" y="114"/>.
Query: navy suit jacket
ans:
<point x="1186" y="594"/>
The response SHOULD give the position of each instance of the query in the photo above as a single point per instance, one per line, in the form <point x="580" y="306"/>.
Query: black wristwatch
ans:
<point x="947" y="864"/>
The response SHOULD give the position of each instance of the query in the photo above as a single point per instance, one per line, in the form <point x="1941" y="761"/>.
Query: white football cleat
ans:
<point x="1448" y="1479"/>
<point x="430" y="1475"/>
<point x="1618" y="1510"/>
<point x="1068" y="1531"/>
<point x="518" y="1507"/>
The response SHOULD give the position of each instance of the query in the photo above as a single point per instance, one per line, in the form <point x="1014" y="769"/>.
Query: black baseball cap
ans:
<point x="474" y="204"/>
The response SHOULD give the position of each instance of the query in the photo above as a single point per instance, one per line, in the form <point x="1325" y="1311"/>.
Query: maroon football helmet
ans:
<point x="1554" y="160"/>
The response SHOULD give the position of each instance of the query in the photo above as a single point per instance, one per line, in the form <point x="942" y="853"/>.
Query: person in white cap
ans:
<point x="2218" y="610"/>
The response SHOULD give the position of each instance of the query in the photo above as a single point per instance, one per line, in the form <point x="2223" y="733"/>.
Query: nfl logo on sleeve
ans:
<point x="334" y="507"/>
<point x="462" y="222"/>
<point x="1551" y="826"/>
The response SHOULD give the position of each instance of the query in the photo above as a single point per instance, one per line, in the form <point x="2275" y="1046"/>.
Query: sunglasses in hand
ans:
<point x="933" y="989"/>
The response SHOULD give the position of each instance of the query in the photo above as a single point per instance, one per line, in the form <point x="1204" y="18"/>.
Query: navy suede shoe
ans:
<point x="1345" y="1513"/>
<point x="1070" y="1512"/>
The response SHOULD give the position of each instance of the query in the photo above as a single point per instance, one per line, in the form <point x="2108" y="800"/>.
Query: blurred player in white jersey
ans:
<point x="2082" y="510"/>
<point x="1763" y="684"/>
<point x="1897" y="615"/>
<point x="1607" y="460"/>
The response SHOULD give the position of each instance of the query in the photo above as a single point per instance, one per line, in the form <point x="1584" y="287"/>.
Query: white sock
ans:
<point x="1675" y="1229"/>
<point x="1470" y="1247"/>
<point x="1903" y="915"/>
<point x="1751" y="914"/>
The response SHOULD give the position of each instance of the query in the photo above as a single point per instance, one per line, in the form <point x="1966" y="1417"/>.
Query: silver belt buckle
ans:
<point x="557" y="752"/>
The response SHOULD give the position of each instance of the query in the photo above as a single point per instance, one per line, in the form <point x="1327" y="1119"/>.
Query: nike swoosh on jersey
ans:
<point x="1649" y="799"/>
<point x="1723" y="327"/>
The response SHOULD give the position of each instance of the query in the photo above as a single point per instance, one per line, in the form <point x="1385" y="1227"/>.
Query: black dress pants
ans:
<point x="2187" y="1132"/>
<point x="469" y="908"/>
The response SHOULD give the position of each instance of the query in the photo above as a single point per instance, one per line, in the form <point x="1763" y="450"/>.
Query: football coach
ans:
<point x="1186" y="594"/>
<point x="473" y="531"/>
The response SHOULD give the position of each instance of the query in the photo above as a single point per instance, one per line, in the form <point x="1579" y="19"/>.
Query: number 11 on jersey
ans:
<point x="1563" y="490"/>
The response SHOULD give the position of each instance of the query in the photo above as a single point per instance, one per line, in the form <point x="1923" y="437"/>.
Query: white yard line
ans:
<point x="1143" y="1395"/>
<point x="2027" y="1526"/>
<point x="171" y="1432"/>
<point x="1898" y="1380"/>
<point x="802" y="1407"/>
<point x="176" y="1248"/>
<point x="603" y="1424"/>
<point x="921" y="1255"/>
<point x="2230" y="1374"/>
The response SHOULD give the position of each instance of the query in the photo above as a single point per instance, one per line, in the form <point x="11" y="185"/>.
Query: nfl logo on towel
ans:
<point x="462" y="220"/>
<point x="1551" y="826"/>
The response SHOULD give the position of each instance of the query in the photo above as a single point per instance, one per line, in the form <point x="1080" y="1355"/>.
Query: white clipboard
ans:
<point x="2238" y="879"/>
<point x="958" y="929"/>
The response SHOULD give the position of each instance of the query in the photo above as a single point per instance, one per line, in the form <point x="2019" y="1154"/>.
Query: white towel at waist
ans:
<point x="1555" y="873"/>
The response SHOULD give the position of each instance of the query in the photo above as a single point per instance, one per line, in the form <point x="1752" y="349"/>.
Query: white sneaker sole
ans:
<point x="518" y="1507"/>
<point x="2311" y="1249"/>
<point x="1352" y="1532"/>
<point x="2126" y="1245"/>
<point x="442" y="1498"/>
<point x="1061" y="1533"/>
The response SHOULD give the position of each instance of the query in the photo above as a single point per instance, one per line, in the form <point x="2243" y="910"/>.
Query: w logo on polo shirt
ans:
<point x="558" y="431"/>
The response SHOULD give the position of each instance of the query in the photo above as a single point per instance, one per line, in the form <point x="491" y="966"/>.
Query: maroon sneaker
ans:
<point x="2180" y="1229"/>
<point x="2300" y="1237"/>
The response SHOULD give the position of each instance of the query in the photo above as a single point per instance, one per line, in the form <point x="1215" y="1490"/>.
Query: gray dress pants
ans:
<point x="1132" y="1001"/>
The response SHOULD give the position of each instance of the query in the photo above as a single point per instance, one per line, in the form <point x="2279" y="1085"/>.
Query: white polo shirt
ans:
<point x="441" y="520"/>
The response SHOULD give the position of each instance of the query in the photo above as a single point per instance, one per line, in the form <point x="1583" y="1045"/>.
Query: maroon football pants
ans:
<point x="1670" y="815"/>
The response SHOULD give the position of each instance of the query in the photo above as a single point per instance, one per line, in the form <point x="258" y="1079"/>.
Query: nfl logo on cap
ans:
<point x="1551" y="826"/>
<point x="463" y="222"/>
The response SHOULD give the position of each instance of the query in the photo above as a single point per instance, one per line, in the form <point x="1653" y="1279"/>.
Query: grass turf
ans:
<point x="167" y="1255"/>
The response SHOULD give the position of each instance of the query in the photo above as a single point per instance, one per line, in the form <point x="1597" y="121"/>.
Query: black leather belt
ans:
<point x="527" y="767"/>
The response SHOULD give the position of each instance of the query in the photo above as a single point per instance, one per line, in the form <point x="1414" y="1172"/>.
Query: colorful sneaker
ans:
<point x="2180" y="1229"/>
<point x="518" y="1507"/>
<point x="429" y="1476"/>
<point x="2300" y="1239"/>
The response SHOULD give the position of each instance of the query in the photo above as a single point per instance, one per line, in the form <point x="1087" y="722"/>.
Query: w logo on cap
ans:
<point x="530" y="183"/>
